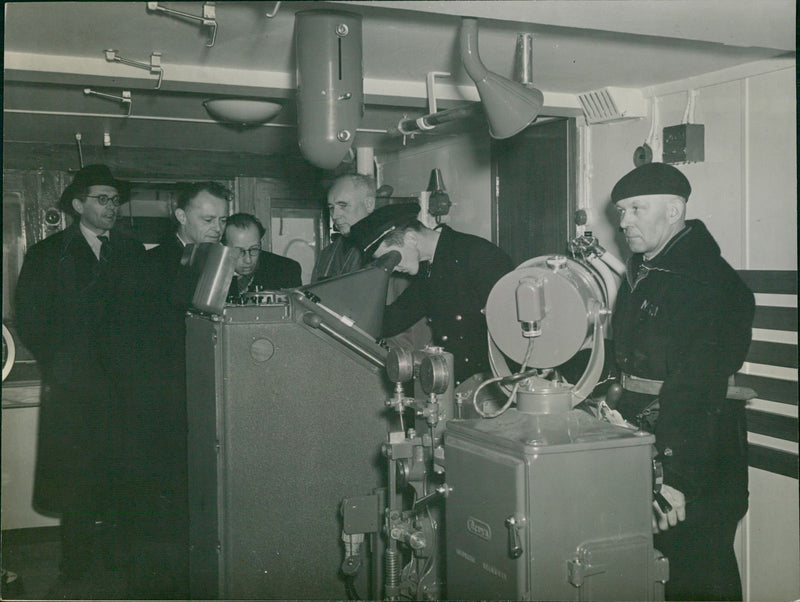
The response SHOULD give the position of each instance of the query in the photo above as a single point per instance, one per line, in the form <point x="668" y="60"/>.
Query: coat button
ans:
<point x="444" y="338"/>
<point x="458" y="318"/>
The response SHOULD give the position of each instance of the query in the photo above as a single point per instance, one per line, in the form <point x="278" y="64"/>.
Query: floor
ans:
<point x="32" y="555"/>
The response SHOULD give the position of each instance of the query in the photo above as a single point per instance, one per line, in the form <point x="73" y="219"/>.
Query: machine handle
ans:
<point x="514" y="540"/>
<point x="313" y="320"/>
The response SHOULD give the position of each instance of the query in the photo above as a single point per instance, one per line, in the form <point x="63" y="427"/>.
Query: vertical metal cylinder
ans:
<point x="365" y="160"/>
<point x="524" y="59"/>
<point x="330" y="86"/>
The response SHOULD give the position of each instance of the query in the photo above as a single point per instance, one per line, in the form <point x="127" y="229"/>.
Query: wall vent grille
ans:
<point x="612" y="104"/>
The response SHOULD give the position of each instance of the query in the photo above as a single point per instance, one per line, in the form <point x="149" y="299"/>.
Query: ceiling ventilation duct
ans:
<point x="330" y="86"/>
<point x="612" y="104"/>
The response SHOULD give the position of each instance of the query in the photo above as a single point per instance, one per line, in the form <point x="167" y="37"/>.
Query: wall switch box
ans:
<point x="684" y="143"/>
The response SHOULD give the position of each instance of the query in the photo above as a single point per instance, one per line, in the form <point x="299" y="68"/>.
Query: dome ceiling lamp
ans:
<point x="242" y="111"/>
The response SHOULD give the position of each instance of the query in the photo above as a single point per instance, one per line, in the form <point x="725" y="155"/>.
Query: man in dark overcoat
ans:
<point x="64" y="297"/>
<point x="450" y="290"/>
<point x="154" y="375"/>
<point x="256" y="269"/>
<point x="682" y="327"/>
<point x="350" y="199"/>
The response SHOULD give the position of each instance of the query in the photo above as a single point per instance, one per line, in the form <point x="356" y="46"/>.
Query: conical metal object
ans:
<point x="510" y="106"/>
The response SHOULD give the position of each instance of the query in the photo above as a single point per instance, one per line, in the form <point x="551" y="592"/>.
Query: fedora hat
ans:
<point x="92" y="175"/>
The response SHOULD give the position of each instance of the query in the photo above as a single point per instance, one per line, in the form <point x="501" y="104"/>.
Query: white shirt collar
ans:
<point x="91" y="238"/>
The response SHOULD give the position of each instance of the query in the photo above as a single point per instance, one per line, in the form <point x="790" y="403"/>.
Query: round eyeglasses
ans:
<point x="104" y="199"/>
<point x="252" y="252"/>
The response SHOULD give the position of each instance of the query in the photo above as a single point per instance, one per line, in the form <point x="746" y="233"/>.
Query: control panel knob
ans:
<point x="557" y="262"/>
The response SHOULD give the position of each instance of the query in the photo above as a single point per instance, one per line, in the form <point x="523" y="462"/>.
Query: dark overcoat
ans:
<point x="155" y="440"/>
<point x="685" y="318"/>
<point x="452" y="295"/>
<point x="64" y="298"/>
<point x="339" y="257"/>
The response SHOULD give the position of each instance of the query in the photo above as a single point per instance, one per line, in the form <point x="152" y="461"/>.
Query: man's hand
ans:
<point x="664" y="520"/>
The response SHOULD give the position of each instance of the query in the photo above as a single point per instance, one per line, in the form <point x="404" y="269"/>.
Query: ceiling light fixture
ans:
<point x="242" y="111"/>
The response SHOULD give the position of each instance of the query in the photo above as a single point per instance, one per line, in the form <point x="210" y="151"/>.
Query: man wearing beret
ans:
<point x="682" y="327"/>
<point x="63" y="301"/>
<point x="460" y="271"/>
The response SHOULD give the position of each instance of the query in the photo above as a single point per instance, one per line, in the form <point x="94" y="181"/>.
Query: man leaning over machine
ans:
<point x="459" y="271"/>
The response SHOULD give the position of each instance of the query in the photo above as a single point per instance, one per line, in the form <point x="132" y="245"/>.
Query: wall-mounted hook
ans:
<point x="274" y="12"/>
<point x="209" y="18"/>
<point x="154" y="67"/>
<point x="124" y="99"/>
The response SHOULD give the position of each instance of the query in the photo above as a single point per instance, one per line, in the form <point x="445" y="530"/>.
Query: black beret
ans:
<point x="92" y="175"/>
<point x="368" y="232"/>
<point x="651" y="178"/>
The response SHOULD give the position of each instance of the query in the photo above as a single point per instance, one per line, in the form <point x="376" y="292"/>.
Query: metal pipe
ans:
<point x="428" y="122"/>
<point x="525" y="59"/>
<point x="379" y="548"/>
<point x="157" y="118"/>
<point x="469" y="49"/>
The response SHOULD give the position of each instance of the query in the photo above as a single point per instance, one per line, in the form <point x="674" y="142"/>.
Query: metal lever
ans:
<point x="124" y="99"/>
<point x="154" y="66"/>
<point x="513" y="524"/>
<point x="209" y="18"/>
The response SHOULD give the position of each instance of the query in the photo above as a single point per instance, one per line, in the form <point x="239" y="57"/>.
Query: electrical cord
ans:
<point x="350" y="588"/>
<point x="516" y="378"/>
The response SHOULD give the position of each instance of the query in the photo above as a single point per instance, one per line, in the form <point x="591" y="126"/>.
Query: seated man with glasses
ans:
<point x="256" y="269"/>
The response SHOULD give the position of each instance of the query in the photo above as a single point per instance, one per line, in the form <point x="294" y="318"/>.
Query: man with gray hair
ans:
<point x="682" y="327"/>
<point x="350" y="199"/>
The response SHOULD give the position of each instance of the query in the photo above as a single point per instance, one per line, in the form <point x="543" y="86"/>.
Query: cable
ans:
<point x="428" y="566"/>
<point x="350" y="588"/>
<point x="513" y="394"/>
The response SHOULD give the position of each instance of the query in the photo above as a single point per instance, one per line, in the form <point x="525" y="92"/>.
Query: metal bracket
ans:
<point x="274" y="11"/>
<point x="430" y="80"/>
<point x="209" y="18"/>
<point x="154" y="67"/>
<point x="124" y="99"/>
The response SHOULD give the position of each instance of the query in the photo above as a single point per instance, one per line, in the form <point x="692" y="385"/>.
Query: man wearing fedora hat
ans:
<point x="682" y="326"/>
<point x="453" y="274"/>
<point x="63" y="299"/>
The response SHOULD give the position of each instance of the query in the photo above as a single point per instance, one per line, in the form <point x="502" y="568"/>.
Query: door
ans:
<point x="534" y="196"/>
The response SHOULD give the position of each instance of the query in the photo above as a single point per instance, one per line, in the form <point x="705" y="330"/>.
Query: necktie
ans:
<point x="105" y="249"/>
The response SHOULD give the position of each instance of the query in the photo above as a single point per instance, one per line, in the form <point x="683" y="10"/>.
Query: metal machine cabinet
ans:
<point x="550" y="507"/>
<point x="283" y="420"/>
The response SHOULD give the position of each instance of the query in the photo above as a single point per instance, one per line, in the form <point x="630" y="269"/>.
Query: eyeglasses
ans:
<point x="252" y="252"/>
<point x="104" y="199"/>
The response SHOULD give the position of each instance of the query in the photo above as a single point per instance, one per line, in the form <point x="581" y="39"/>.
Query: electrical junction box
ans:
<point x="684" y="143"/>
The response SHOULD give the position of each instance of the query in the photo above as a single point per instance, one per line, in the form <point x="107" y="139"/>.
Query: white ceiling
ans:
<point x="53" y="50"/>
